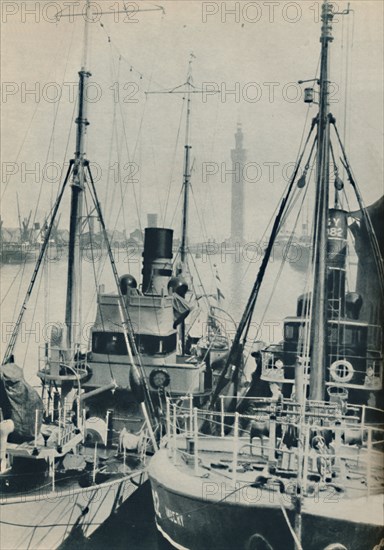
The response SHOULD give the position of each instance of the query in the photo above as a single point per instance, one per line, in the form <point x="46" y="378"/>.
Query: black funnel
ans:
<point x="157" y="245"/>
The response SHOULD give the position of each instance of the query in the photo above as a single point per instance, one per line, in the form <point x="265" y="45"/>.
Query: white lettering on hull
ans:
<point x="175" y="517"/>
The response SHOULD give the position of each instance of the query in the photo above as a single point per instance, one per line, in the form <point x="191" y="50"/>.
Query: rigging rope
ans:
<point x="126" y="320"/>
<point x="31" y="324"/>
<point x="287" y="207"/>
<point x="292" y="531"/>
<point x="173" y="165"/>
<point x="141" y="76"/>
<point x="51" y="141"/>
<point x="122" y="191"/>
<point x="204" y="233"/>
<point x="15" y="278"/>
<point x="234" y="354"/>
<point x="371" y="232"/>
<point x="49" y="72"/>
<point x="273" y="216"/>
<point x="96" y="287"/>
<point x="208" y="188"/>
<point x="277" y="278"/>
<point x="12" y="341"/>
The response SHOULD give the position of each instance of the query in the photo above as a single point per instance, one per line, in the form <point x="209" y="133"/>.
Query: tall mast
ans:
<point x="190" y="89"/>
<point x="186" y="187"/>
<point x="319" y="328"/>
<point x="187" y="170"/>
<point x="72" y="319"/>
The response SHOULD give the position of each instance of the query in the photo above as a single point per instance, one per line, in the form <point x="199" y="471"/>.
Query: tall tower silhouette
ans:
<point x="238" y="156"/>
<point x="151" y="220"/>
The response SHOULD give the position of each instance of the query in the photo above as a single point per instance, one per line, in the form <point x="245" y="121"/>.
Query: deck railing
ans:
<point x="189" y="436"/>
<point x="55" y="361"/>
<point x="275" y="369"/>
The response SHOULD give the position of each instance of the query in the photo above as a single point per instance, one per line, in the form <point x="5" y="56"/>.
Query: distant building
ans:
<point x="151" y="220"/>
<point x="238" y="156"/>
<point x="136" y="236"/>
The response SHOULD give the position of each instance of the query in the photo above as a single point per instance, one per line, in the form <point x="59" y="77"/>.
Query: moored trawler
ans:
<point x="155" y="309"/>
<point x="17" y="246"/>
<point x="354" y="350"/>
<point x="63" y="468"/>
<point x="297" y="463"/>
<point x="64" y="465"/>
<point x="84" y="442"/>
<point x="73" y="452"/>
<point x="289" y="476"/>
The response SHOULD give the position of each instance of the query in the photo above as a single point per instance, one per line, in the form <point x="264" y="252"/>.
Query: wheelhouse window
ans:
<point x="113" y="343"/>
<point x="344" y="335"/>
<point x="294" y="331"/>
<point x="290" y="333"/>
<point x="156" y="345"/>
<point x="110" y="343"/>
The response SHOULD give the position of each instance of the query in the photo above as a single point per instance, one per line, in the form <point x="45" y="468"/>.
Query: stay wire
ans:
<point x="277" y="225"/>
<point x="100" y="309"/>
<point x="273" y="216"/>
<point x="202" y="224"/>
<point x="173" y="164"/>
<point x="126" y="319"/>
<point x="366" y="217"/>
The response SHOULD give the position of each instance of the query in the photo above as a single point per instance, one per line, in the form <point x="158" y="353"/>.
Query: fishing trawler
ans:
<point x="69" y="457"/>
<point x="72" y="453"/>
<point x="298" y="463"/>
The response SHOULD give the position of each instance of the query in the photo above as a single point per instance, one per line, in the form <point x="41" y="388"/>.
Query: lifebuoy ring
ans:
<point x="342" y="371"/>
<point x="159" y="378"/>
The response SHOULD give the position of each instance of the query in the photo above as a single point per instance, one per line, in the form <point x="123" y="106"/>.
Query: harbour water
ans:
<point x="231" y="270"/>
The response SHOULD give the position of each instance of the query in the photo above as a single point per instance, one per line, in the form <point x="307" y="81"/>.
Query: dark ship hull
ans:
<point x="301" y="469"/>
<point x="213" y="514"/>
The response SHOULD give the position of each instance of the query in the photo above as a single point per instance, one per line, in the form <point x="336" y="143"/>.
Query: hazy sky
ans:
<point x="259" y="52"/>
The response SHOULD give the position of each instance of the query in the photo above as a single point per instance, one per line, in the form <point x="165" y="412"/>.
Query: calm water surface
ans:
<point x="237" y="273"/>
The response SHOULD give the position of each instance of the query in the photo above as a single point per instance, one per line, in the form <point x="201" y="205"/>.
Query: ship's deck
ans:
<point x="212" y="478"/>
